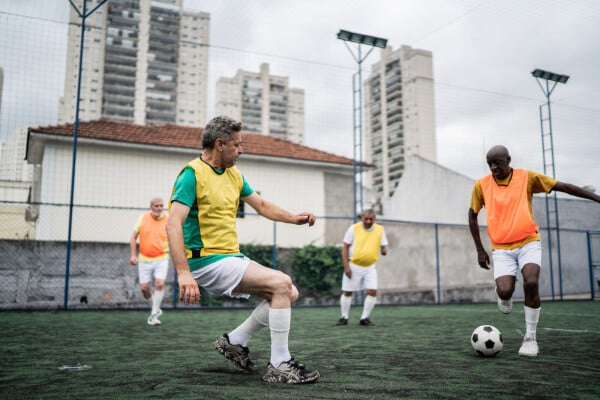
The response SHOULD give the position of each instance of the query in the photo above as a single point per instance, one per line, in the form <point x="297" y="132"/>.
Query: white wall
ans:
<point x="120" y="182"/>
<point x="428" y="192"/>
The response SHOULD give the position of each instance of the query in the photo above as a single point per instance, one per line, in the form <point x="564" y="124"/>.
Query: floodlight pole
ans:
<point x="552" y="220"/>
<point x="357" y="115"/>
<point x="83" y="14"/>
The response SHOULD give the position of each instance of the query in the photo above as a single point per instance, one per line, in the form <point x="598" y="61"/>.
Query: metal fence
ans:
<point x="427" y="263"/>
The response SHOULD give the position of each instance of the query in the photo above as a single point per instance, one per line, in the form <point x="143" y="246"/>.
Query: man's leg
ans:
<point x="234" y="344"/>
<point x="277" y="288"/>
<point x="157" y="297"/>
<point x="255" y="322"/>
<point x="370" y="301"/>
<point x="506" y="268"/>
<point x="345" y="304"/>
<point x="532" y="308"/>
<point x="505" y="287"/>
<point x="370" y="283"/>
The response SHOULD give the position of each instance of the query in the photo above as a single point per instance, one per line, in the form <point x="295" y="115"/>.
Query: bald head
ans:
<point x="498" y="159"/>
<point x="498" y="151"/>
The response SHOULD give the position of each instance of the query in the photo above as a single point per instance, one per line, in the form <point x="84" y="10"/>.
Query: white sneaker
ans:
<point x="529" y="347"/>
<point x="504" y="305"/>
<point x="153" y="318"/>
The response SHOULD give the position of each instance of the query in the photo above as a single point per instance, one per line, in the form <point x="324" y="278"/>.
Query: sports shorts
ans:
<point x="509" y="262"/>
<point x="362" y="278"/>
<point x="156" y="269"/>
<point x="222" y="277"/>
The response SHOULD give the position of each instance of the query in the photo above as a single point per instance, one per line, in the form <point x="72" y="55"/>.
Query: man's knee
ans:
<point x="159" y="284"/>
<point x="505" y="286"/>
<point x="283" y="285"/>
<point x="531" y="273"/>
<point x="145" y="288"/>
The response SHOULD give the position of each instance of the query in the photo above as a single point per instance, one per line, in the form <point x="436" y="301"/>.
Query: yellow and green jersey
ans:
<point x="210" y="230"/>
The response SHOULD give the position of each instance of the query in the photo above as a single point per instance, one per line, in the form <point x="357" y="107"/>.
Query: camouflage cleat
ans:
<point x="237" y="353"/>
<point x="292" y="372"/>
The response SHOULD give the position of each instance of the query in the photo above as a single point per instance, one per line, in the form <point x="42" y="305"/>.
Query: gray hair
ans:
<point x="221" y="127"/>
<point x="156" y="200"/>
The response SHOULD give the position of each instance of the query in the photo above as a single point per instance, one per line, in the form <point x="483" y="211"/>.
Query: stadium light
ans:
<point x="552" y="218"/>
<point x="551" y="76"/>
<point x="372" y="42"/>
<point x="362" y="39"/>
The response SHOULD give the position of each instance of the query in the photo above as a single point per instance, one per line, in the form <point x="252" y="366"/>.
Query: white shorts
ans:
<point x="362" y="278"/>
<point x="156" y="268"/>
<point x="509" y="262"/>
<point x="222" y="277"/>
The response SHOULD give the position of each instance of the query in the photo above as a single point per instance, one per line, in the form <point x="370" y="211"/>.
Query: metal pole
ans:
<point x="360" y="127"/>
<point x="83" y="16"/>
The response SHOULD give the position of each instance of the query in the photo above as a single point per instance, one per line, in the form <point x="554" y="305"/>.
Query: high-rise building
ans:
<point x="144" y="61"/>
<point x="265" y="103"/>
<point x="399" y="115"/>
<point x="13" y="166"/>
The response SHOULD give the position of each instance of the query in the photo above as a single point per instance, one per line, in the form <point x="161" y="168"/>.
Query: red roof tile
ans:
<point x="186" y="137"/>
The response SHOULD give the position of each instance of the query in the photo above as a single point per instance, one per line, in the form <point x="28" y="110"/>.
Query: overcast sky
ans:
<point x="483" y="53"/>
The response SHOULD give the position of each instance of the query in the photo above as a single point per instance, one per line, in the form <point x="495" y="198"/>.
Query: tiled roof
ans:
<point x="187" y="137"/>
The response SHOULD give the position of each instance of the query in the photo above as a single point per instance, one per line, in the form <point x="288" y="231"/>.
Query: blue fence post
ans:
<point x="437" y="263"/>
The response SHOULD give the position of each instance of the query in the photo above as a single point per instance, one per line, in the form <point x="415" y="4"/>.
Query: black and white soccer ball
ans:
<point x="487" y="340"/>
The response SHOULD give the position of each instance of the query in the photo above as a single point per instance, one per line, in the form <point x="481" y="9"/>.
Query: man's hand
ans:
<point x="189" y="292"/>
<point x="483" y="259"/>
<point x="348" y="272"/>
<point x="305" y="218"/>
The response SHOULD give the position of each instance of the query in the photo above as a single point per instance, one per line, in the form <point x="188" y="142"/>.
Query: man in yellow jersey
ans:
<point x="363" y="242"/>
<point x="153" y="260"/>
<point x="507" y="195"/>
<point x="205" y="250"/>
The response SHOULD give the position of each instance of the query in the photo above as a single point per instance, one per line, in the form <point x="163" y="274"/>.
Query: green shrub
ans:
<point x="317" y="271"/>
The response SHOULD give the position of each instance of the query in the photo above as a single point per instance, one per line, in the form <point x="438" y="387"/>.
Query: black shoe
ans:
<point x="366" y="322"/>
<point x="238" y="354"/>
<point x="291" y="371"/>
<point x="342" y="321"/>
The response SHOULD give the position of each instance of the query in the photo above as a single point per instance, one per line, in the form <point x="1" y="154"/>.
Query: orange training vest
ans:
<point x="508" y="213"/>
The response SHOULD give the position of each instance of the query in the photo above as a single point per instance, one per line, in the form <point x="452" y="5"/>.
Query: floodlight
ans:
<point x="362" y="39"/>
<point x="551" y="76"/>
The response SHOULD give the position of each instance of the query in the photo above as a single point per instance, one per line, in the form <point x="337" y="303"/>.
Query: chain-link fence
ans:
<point x="432" y="259"/>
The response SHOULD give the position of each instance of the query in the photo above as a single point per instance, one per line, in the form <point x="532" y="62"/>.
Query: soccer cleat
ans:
<point x="529" y="347"/>
<point x="504" y="305"/>
<point x="366" y="322"/>
<point x="342" y="321"/>
<point x="292" y="372"/>
<point x="237" y="353"/>
<point x="153" y="318"/>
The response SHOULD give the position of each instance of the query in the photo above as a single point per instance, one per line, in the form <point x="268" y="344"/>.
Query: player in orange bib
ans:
<point x="507" y="195"/>
<point x="153" y="259"/>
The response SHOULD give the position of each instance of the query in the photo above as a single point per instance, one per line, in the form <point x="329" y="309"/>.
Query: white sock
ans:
<point x="345" y="303"/>
<point x="279" y="323"/>
<point x="157" y="299"/>
<point x="255" y="322"/>
<point x="532" y="316"/>
<point x="370" y="302"/>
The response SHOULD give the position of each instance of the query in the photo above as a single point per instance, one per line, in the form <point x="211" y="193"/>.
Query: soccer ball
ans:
<point x="487" y="340"/>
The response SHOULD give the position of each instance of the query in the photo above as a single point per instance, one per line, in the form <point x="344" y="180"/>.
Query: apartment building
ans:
<point x="399" y="115"/>
<point x="144" y="61"/>
<point x="264" y="102"/>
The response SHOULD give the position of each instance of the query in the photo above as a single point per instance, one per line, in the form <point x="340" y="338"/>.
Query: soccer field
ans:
<point x="414" y="352"/>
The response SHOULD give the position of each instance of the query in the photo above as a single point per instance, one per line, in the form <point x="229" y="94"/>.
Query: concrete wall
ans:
<point x="425" y="264"/>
